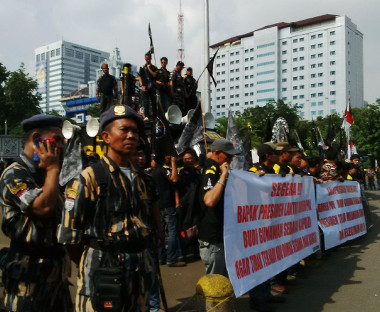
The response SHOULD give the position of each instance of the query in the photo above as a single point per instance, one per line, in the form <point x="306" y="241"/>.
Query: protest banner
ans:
<point x="340" y="212"/>
<point x="270" y="223"/>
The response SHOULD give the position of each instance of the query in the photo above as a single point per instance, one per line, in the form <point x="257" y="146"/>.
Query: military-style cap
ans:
<point x="41" y="121"/>
<point x="179" y="63"/>
<point x="224" y="146"/>
<point x="273" y="146"/>
<point x="286" y="147"/>
<point x="118" y="112"/>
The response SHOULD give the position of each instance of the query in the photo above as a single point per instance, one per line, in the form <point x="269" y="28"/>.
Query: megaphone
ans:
<point x="92" y="127"/>
<point x="174" y="115"/>
<point x="209" y="120"/>
<point x="68" y="129"/>
<point x="187" y="118"/>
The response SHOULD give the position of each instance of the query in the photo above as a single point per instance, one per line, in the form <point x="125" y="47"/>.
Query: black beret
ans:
<point x="41" y="121"/>
<point x="118" y="112"/>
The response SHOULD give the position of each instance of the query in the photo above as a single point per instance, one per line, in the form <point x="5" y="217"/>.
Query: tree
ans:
<point x="21" y="99"/>
<point x="365" y="131"/>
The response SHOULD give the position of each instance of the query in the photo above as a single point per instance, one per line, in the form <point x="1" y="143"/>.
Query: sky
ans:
<point x="104" y="25"/>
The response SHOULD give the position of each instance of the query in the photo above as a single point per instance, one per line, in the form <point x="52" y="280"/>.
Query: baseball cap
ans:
<point x="179" y="63"/>
<point x="286" y="147"/>
<point x="265" y="149"/>
<point x="224" y="146"/>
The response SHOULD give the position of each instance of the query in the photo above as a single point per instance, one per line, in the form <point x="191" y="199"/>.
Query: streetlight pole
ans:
<point x="206" y="85"/>
<point x="5" y="127"/>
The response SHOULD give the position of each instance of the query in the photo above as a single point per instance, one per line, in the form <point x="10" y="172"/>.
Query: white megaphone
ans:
<point x="187" y="118"/>
<point x="209" y="120"/>
<point x="68" y="129"/>
<point x="174" y="114"/>
<point x="92" y="127"/>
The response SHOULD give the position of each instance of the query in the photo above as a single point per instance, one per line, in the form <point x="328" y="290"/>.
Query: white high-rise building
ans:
<point x="61" y="67"/>
<point x="315" y="63"/>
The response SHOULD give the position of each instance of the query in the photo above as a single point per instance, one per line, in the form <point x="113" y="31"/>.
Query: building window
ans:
<point x="320" y="112"/>
<point x="320" y="103"/>
<point x="246" y="94"/>
<point x="312" y="56"/>
<point x="251" y="49"/>
<point x="320" y="64"/>
<point x="313" y="66"/>
<point x="332" y="52"/>
<point x="313" y="113"/>
<point x="320" y="35"/>
<point x="302" y="58"/>
<point x="320" y="74"/>
<point x="320" y="54"/>
<point x="42" y="56"/>
<point x="295" y="97"/>
<point x="320" y="94"/>
<point x="302" y="97"/>
<point x="332" y="33"/>
<point x="232" y="53"/>
<point x="332" y="92"/>
<point x="79" y="55"/>
<point x="302" y="77"/>
<point x="284" y="52"/>
<point x="284" y="79"/>
<point x="312" y="75"/>
<point x="332" y="83"/>
<point x="265" y="45"/>
<point x="232" y="62"/>
<point x="332" y="42"/>
<point x="313" y="37"/>
<point x="283" y="89"/>
<point x="332" y="72"/>
<point x="52" y="53"/>
<point x="320" y="84"/>
<point x="302" y="87"/>
<point x="295" y="68"/>
<point x="312" y="46"/>
<point x="246" y="59"/>
<point x="320" y="45"/>
<point x="333" y="111"/>
<point x="313" y="103"/>
<point x="246" y="68"/>
<point x="295" y="78"/>
<point x="302" y="39"/>
<point x="295" y="50"/>
<point x="312" y="85"/>
<point x="38" y="57"/>
<point x="284" y="70"/>
<point x="284" y="43"/>
<point x="313" y="95"/>
<point x="284" y="61"/>
<point x="237" y="53"/>
<point x="302" y="48"/>
<point x="57" y="51"/>
<point x="332" y="62"/>
<point x="295" y="88"/>
<point x="295" y="59"/>
<point x="246" y="85"/>
<point x="295" y="40"/>
<point x="333" y="102"/>
<point x="302" y="67"/>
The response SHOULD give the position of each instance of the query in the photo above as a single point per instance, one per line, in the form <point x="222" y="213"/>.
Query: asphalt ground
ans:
<point x="345" y="279"/>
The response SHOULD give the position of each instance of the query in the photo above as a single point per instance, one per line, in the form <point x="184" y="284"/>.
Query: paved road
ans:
<point x="346" y="279"/>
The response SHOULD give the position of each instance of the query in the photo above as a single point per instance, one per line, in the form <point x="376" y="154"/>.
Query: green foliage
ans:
<point x="94" y="110"/>
<point x="19" y="100"/>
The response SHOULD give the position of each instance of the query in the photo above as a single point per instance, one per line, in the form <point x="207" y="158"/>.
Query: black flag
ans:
<point x="151" y="49"/>
<point x="210" y="67"/>
<point x="268" y="131"/>
<point x="239" y="161"/>
<point x="247" y="146"/>
<point x="193" y="131"/>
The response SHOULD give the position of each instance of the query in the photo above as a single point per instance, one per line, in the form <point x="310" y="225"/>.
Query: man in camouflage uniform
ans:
<point x="114" y="222"/>
<point x="35" y="268"/>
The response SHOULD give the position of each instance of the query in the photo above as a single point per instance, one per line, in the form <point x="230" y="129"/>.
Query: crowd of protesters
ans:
<point x="131" y="211"/>
<point x="159" y="88"/>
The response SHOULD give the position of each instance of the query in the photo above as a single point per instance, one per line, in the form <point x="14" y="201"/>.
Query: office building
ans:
<point x="316" y="63"/>
<point x="62" y="67"/>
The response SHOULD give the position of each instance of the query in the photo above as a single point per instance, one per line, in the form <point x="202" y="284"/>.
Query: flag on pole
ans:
<point x="239" y="161"/>
<point x="193" y="131"/>
<point x="210" y="67"/>
<point x="151" y="49"/>
<point x="164" y="143"/>
<point x="247" y="146"/>
<point x="348" y="119"/>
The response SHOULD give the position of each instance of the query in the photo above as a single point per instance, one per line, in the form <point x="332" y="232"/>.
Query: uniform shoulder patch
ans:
<point x="210" y="171"/>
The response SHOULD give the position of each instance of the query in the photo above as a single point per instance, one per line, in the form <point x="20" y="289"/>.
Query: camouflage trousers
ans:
<point x="139" y="270"/>
<point x="36" y="285"/>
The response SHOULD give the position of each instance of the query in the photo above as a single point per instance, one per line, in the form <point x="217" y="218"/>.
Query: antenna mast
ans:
<point x="181" y="50"/>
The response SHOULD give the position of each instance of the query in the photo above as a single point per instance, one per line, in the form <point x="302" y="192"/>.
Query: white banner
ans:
<point x="340" y="212"/>
<point x="270" y="223"/>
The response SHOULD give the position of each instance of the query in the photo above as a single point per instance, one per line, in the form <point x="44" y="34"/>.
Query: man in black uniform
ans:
<point x="214" y="179"/>
<point x="127" y="85"/>
<point x="163" y="84"/>
<point x="191" y="86"/>
<point x="177" y="87"/>
<point x="268" y="157"/>
<point x="107" y="89"/>
<point x="36" y="266"/>
<point x="285" y="150"/>
<point x="105" y="212"/>
<point x="147" y="77"/>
